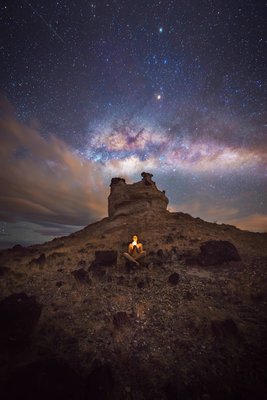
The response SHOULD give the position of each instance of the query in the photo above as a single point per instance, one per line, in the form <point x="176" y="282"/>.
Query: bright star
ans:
<point x="158" y="96"/>
<point x="160" y="29"/>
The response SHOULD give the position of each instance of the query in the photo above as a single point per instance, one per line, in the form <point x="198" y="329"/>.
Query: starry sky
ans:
<point x="96" y="89"/>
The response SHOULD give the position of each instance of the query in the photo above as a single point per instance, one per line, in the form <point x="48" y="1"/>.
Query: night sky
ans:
<point x="97" y="89"/>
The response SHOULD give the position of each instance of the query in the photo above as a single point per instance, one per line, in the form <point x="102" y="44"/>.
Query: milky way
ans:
<point x="177" y="88"/>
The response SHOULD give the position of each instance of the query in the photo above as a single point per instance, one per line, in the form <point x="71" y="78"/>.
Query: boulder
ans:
<point x="174" y="278"/>
<point x="214" y="252"/>
<point x="18" y="247"/>
<point x="41" y="260"/>
<point x="105" y="258"/>
<point x="126" y="199"/>
<point x="19" y="315"/>
<point x="81" y="276"/>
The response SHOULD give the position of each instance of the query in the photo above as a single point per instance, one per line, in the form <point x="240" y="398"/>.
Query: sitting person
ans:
<point x="135" y="251"/>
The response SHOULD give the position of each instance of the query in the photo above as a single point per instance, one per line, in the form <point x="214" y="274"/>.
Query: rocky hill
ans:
<point x="80" y="322"/>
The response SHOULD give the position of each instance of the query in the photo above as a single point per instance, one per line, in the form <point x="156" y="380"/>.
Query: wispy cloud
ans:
<point x="43" y="179"/>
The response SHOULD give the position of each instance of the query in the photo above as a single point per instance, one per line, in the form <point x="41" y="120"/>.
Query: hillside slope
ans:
<point x="169" y="329"/>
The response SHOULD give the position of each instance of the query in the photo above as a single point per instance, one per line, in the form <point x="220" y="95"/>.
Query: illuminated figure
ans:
<point x="135" y="251"/>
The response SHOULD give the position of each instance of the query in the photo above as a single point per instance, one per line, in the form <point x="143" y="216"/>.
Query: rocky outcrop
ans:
<point x="215" y="252"/>
<point x="19" y="315"/>
<point x="127" y="199"/>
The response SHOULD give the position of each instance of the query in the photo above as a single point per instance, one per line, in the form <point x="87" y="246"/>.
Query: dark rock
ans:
<point x="43" y="380"/>
<point x="81" y="276"/>
<point x="19" y="314"/>
<point x="160" y="253"/>
<point x="147" y="179"/>
<point x="55" y="255"/>
<point x="121" y="319"/>
<point x="105" y="258"/>
<point x="40" y="260"/>
<point x="82" y="263"/>
<point x="60" y="270"/>
<point x="143" y="283"/>
<point x="59" y="283"/>
<point x="18" y="247"/>
<point x="169" y="239"/>
<point x="100" y="384"/>
<point x="174" y="278"/>
<point x="216" y="252"/>
<point x="224" y="328"/>
<point x="3" y="271"/>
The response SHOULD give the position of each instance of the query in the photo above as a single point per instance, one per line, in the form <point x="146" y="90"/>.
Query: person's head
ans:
<point x="135" y="238"/>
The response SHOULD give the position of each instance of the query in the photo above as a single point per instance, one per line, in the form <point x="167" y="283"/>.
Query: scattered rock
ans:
<point x="169" y="239"/>
<point x="214" y="252"/>
<point x="19" y="314"/>
<point x="56" y="255"/>
<point x="59" y="283"/>
<point x="40" y="260"/>
<point x="121" y="319"/>
<point x="160" y="253"/>
<point x="82" y="263"/>
<point x="142" y="283"/>
<point x="81" y="276"/>
<point x="174" y="278"/>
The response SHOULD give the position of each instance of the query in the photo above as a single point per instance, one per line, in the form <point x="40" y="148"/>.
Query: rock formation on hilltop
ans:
<point x="126" y="199"/>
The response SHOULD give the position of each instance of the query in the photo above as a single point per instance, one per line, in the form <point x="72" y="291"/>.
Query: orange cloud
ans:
<point x="43" y="180"/>
<point x="253" y="222"/>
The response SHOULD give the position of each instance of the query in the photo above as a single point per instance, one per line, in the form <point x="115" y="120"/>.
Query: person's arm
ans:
<point x="130" y="248"/>
<point x="140" y="247"/>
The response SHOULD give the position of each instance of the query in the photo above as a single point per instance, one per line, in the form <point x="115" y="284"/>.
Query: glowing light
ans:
<point x="160" y="29"/>
<point x="158" y="96"/>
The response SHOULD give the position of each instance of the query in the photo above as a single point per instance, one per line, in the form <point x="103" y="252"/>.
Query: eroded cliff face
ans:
<point x="129" y="199"/>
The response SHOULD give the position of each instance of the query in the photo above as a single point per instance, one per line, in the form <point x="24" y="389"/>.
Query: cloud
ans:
<point x="43" y="179"/>
<point x="253" y="222"/>
<point x="204" y="210"/>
